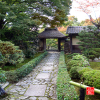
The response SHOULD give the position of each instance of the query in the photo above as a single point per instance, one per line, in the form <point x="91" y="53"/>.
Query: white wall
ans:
<point x="74" y="41"/>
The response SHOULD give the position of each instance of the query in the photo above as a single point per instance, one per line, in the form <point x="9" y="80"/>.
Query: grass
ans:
<point x="14" y="67"/>
<point x="93" y="65"/>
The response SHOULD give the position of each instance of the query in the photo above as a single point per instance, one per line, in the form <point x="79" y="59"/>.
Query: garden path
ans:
<point x="40" y="84"/>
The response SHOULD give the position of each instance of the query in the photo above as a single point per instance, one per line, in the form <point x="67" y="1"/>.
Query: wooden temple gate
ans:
<point x="50" y="33"/>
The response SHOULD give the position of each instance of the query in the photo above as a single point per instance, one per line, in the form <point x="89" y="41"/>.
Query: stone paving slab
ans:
<point x="43" y="76"/>
<point x="36" y="90"/>
<point x="43" y="98"/>
<point x="47" y="68"/>
<point x="40" y="84"/>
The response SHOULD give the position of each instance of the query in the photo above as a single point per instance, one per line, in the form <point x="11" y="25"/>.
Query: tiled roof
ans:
<point x="74" y="29"/>
<point x="51" y="33"/>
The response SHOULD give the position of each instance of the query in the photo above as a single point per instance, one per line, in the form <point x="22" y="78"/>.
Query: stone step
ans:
<point x="4" y="85"/>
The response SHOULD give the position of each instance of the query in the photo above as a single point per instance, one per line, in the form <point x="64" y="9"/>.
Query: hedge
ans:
<point x="86" y="73"/>
<point x="92" y="78"/>
<point x="65" y="91"/>
<point x="15" y="75"/>
<point x="77" y="72"/>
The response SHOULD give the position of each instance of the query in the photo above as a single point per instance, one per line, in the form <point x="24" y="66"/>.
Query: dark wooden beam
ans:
<point x="44" y="44"/>
<point x="59" y="49"/>
<point x="71" y="48"/>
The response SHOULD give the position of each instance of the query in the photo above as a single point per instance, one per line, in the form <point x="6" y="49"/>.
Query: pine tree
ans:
<point x="89" y="42"/>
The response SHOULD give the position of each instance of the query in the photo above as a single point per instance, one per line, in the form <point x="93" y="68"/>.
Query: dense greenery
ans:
<point x="52" y="44"/>
<point x="10" y="54"/>
<point x="20" y="20"/>
<point x="90" y="42"/>
<point x="15" y="75"/>
<point x="2" y="76"/>
<point x="84" y="72"/>
<point x="92" y="78"/>
<point x="77" y="61"/>
<point x="65" y="91"/>
<point x="9" y="67"/>
<point x="95" y="65"/>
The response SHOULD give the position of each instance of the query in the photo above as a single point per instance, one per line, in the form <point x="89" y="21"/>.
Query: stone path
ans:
<point x="40" y="84"/>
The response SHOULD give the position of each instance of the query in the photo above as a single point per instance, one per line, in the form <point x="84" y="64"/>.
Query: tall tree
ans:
<point x="90" y="42"/>
<point x="20" y="19"/>
<point x="90" y="6"/>
<point x="86" y="22"/>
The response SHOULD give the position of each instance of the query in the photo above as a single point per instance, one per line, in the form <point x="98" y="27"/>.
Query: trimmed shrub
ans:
<point x="73" y="63"/>
<point x="92" y="78"/>
<point x="71" y="55"/>
<point x="74" y="73"/>
<point x="83" y="69"/>
<point x="2" y="76"/>
<point x="14" y="76"/>
<point x="78" y="60"/>
<point x="29" y="53"/>
<point x="65" y="91"/>
<point x="79" y="57"/>
<point x="10" y="53"/>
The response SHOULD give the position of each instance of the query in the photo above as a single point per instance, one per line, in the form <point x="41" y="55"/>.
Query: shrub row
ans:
<point x="65" y="91"/>
<point x="15" y="75"/>
<point x="86" y="73"/>
<point x="78" y="60"/>
<point x="2" y="76"/>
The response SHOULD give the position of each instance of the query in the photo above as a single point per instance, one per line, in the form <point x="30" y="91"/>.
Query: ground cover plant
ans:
<point x="65" y="91"/>
<point x="87" y="75"/>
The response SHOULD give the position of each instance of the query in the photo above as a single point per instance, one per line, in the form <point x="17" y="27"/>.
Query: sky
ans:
<point x="80" y="15"/>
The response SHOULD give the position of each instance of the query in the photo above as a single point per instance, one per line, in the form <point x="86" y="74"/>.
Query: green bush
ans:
<point x="14" y="76"/>
<point x="73" y="63"/>
<point x="78" y="60"/>
<point x="11" y="76"/>
<point x="29" y="53"/>
<point x="65" y="91"/>
<point x="79" y="57"/>
<point x="2" y="76"/>
<point x="10" y="53"/>
<point x="83" y="69"/>
<point x="71" y="55"/>
<point x="92" y="78"/>
<point x="74" y="73"/>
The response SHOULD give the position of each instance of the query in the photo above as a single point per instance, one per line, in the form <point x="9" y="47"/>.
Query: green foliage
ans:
<point x="92" y="78"/>
<point x="10" y="53"/>
<point x="71" y="55"/>
<point x="1" y="57"/>
<point x="2" y="76"/>
<point x="52" y="43"/>
<point x="89" y="42"/>
<point x="29" y="53"/>
<point x="73" y="73"/>
<point x="95" y="65"/>
<point x="78" y="60"/>
<point x="81" y="70"/>
<point x="79" y="57"/>
<point x="65" y="91"/>
<point x="72" y="21"/>
<point x="73" y="63"/>
<point x="15" y="75"/>
<point x="93" y="53"/>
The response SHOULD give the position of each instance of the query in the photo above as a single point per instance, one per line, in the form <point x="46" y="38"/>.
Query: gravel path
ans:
<point x="40" y="84"/>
